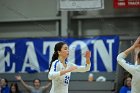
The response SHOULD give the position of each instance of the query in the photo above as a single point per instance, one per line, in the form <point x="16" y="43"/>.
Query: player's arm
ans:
<point x="53" y="73"/>
<point x="121" y="57"/>
<point x="121" y="60"/>
<point x="135" y="45"/>
<point x="82" y="68"/>
<point x="87" y="66"/>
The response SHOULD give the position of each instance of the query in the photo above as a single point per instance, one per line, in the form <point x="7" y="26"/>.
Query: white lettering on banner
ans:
<point x="72" y="49"/>
<point x="30" y="58"/>
<point x="5" y="58"/>
<point x="106" y="57"/>
<point x="49" y="44"/>
<point x="30" y="61"/>
<point x="12" y="70"/>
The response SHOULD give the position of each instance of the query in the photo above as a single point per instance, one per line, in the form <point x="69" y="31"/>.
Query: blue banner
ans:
<point x="34" y="54"/>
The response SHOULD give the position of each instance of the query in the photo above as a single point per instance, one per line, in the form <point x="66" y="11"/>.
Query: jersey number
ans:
<point x="67" y="78"/>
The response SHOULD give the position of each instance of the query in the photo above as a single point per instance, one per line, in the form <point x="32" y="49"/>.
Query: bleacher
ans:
<point x="78" y="84"/>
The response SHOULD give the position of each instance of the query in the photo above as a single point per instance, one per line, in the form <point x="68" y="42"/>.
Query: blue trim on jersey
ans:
<point x="55" y="65"/>
<point x="129" y="63"/>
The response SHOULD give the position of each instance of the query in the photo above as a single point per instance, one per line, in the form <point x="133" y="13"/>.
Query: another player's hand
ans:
<point x="137" y="43"/>
<point x="18" y="77"/>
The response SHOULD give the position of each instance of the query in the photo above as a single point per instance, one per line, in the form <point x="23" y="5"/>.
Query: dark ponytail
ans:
<point x="57" y="48"/>
<point x="54" y="57"/>
<point x="139" y="55"/>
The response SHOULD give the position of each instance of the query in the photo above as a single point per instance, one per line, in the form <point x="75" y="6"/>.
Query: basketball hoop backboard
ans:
<point x="79" y="5"/>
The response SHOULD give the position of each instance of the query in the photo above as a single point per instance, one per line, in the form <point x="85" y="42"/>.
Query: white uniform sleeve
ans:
<point x="81" y="68"/>
<point x="53" y="73"/>
<point x="121" y="60"/>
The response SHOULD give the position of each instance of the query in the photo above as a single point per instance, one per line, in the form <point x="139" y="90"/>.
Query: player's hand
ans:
<point x="71" y="68"/>
<point x="88" y="54"/>
<point x="137" y="43"/>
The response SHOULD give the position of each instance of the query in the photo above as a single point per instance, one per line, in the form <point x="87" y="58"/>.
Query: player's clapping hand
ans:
<point x="71" y="68"/>
<point x="88" y="54"/>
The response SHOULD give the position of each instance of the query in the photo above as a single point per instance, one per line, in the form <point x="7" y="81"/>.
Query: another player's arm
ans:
<point x="121" y="60"/>
<point x="121" y="57"/>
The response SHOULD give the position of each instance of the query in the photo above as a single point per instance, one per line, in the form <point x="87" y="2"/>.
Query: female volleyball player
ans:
<point x="133" y="69"/>
<point x="60" y="69"/>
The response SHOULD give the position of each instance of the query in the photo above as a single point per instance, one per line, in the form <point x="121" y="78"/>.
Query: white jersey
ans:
<point x="60" y="83"/>
<point x="133" y="69"/>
